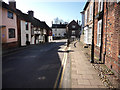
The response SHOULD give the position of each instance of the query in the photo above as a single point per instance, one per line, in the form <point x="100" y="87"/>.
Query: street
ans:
<point x="34" y="67"/>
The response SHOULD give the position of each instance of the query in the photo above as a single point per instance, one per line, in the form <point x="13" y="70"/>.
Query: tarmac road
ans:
<point x="34" y="67"/>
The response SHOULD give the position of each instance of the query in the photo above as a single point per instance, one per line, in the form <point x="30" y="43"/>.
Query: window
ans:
<point x="88" y="15"/>
<point x="73" y="32"/>
<point x="27" y="37"/>
<point x="118" y="1"/>
<point x="90" y="18"/>
<point x="11" y="33"/>
<point x="100" y="6"/>
<point x="99" y="32"/>
<point x="26" y="24"/>
<point x="73" y="26"/>
<point x="10" y="15"/>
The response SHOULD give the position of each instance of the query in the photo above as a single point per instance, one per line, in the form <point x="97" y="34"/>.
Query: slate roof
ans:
<point x="74" y="22"/>
<point x="35" y="22"/>
<point x="59" y="25"/>
<point x="86" y="5"/>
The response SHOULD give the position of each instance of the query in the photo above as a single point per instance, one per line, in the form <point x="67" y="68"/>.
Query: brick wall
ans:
<point x="111" y="34"/>
<point x="112" y="30"/>
<point x="11" y="45"/>
<point x="96" y="48"/>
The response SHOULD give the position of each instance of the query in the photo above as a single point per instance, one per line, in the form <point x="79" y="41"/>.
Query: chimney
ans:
<point x="77" y="21"/>
<point x="12" y="4"/>
<point x="31" y="13"/>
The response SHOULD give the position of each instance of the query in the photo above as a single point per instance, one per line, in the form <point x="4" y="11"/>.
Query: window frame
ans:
<point x="91" y="13"/>
<point x="9" y="36"/>
<point x="73" y="32"/>
<point x="10" y="13"/>
<point x="86" y="17"/>
<point x="73" y="26"/>
<point x="26" y="26"/>
<point x="100" y="5"/>
<point x="99" y="28"/>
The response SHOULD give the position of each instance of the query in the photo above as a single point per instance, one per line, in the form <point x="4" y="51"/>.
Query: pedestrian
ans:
<point x="75" y="44"/>
<point x="68" y="42"/>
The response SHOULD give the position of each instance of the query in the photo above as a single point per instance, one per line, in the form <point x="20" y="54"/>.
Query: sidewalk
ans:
<point x="83" y="75"/>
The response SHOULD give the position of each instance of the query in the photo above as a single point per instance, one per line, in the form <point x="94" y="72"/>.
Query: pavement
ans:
<point x="83" y="75"/>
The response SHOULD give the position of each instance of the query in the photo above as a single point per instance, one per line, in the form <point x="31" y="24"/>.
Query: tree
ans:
<point x="58" y="21"/>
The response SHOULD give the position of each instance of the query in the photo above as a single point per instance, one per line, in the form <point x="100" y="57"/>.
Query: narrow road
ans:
<point x="34" y="67"/>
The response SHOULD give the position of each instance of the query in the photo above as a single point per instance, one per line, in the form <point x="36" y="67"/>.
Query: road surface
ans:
<point x="33" y="67"/>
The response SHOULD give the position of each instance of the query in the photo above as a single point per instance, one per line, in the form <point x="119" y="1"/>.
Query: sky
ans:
<point x="48" y="10"/>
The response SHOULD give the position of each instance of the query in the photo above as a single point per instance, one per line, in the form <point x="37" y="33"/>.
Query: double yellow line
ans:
<point x="61" y="71"/>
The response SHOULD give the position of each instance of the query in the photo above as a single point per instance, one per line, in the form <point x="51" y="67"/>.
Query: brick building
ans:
<point x="107" y="34"/>
<point x="73" y="30"/>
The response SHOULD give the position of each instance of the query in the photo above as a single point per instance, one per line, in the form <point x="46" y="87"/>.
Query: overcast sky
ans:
<point x="47" y="11"/>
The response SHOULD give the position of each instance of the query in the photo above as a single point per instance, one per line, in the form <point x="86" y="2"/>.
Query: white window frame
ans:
<point x="99" y="28"/>
<point x="73" y="32"/>
<point x="100" y="1"/>
<point x="86" y="17"/>
<point x="73" y="26"/>
<point x="90" y="16"/>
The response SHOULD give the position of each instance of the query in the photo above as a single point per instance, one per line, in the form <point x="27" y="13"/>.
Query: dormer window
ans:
<point x="100" y="6"/>
<point x="73" y="26"/>
<point x="10" y="15"/>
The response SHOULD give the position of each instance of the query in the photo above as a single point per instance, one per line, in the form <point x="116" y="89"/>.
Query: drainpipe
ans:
<point x="101" y="46"/>
<point x="92" y="49"/>
<point x="106" y="32"/>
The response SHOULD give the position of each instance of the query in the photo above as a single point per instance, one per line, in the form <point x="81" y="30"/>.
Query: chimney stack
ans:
<point x="12" y="4"/>
<point x="77" y="21"/>
<point x="31" y="13"/>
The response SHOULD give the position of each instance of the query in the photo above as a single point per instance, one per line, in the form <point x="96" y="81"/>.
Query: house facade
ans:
<point x="88" y="22"/>
<point x="20" y="29"/>
<point x="73" y="30"/>
<point x="24" y="28"/>
<point x="8" y="26"/>
<point x="49" y="37"/>
<point x="107" y="34"/>
<point x="59" y="30"/>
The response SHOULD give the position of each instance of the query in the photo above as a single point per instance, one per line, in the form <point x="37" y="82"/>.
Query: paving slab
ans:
<point x="83" y="75"/>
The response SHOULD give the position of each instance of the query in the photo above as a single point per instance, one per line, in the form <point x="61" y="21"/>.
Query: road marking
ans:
<point x="64" y="65"/>
<point x="58" y="76"/>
